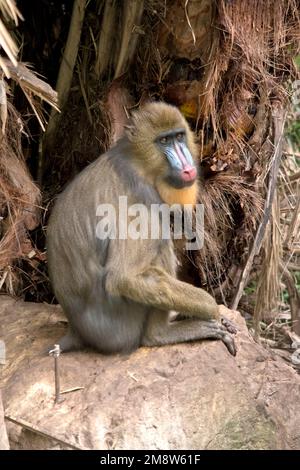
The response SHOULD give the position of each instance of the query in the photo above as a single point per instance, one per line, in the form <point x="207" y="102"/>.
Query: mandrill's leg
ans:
<point x="160" y="331"/>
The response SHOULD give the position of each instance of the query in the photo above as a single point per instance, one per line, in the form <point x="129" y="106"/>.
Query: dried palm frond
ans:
<point x="268" y="286"/>
<point x="19" y="196"/>
<point x="9" y="10"/>
<point x="222" y="196"/>
<point x="33" y="87"/>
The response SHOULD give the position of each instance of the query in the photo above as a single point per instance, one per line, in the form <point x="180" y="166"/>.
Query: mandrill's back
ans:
<point x="75" y="255"/>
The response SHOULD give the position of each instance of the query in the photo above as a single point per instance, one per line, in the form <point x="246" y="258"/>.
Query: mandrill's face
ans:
<point x="181" y="171"/>
<point x="163" y="148"/>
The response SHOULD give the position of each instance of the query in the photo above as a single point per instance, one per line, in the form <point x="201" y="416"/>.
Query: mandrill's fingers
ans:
<point x="229" y="325"/>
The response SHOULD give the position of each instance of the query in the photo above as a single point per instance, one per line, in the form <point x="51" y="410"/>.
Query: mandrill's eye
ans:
<point x="180" y="137"/>
<point x="164" y="140"/>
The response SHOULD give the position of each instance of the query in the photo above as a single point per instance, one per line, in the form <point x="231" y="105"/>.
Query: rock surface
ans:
<point x="3" y="435"/>
<point x="187" y="396"/>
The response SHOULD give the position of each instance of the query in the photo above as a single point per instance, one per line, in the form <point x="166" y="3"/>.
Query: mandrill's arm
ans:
<point x="133" y="273"/>
<point x="156" y="288"/>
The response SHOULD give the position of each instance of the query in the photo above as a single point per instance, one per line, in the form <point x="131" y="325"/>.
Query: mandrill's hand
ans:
<point x="229" y="325"/>
<point x="224" y="313"/>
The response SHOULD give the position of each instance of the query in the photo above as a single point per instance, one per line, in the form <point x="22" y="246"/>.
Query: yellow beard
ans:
<point x="178" y="196"/>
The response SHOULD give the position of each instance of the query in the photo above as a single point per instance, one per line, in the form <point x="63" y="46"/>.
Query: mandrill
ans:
<point x="120" y="293"/>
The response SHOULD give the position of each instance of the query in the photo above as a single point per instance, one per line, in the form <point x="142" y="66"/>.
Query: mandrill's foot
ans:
<point x="215" y="330"/>
<point x="229" y="343"/>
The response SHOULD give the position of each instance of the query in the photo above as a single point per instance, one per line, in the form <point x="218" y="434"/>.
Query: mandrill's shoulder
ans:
<point x="128" y="180"/>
